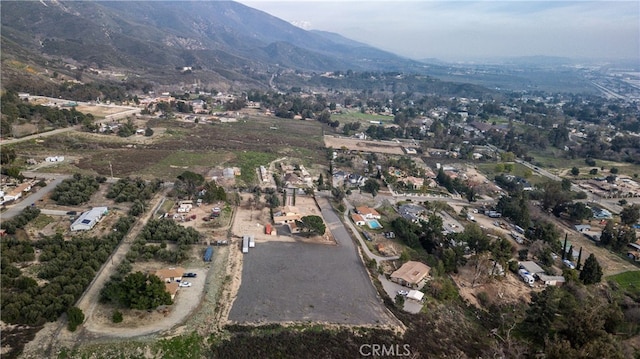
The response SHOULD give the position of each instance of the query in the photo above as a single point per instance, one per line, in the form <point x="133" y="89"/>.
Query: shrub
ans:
<point x="117" y="317"/>
<point x="75" y="317"/>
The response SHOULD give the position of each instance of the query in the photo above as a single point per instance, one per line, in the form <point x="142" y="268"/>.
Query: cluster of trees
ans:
<point x="455" y="186"/>
<point x="190" y="184"/>
<point x="133" y="189"/>
<point x="574" y="322"/>
<point x="67" y="266"/>
<point x="515" y="207"/>
<point x="312" y="225"/>
<point x="136" y="291"/>
<point x="158" y="230"/>
<point x="115" y="91"/>
<point x="16" y="111"/>
<point x="617" y="237"/>
<point x="19" y="221"/>
<point x="152" y="243"/>
<point x="76" y="190"/>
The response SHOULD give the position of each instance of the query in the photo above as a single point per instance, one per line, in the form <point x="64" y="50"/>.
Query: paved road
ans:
<point x="38" y="135"/>
<point x="33" y="198"/>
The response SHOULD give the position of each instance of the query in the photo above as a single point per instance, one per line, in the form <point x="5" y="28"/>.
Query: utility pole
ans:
<point x="111" y="169"/>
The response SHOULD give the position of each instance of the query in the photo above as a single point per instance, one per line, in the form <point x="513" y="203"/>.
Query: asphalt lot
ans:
<point x="283" y="281"/>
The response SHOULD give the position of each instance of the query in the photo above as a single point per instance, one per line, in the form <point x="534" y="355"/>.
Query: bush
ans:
<point x="75" y="317"/>
<point x="483" y="298"/>
<point x="117" y="317"/>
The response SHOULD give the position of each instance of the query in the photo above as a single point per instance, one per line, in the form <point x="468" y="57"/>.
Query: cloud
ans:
<point x="463" y="29"/>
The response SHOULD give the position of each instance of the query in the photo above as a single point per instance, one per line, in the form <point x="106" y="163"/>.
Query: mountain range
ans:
<point x="222" y="40"/>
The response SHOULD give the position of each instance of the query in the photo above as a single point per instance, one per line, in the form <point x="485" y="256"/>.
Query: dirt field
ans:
<point x="354" y="144"/>
<point x="507" y="289"/>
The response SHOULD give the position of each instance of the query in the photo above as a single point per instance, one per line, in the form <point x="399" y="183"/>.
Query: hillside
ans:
<point x="221" y="41"/>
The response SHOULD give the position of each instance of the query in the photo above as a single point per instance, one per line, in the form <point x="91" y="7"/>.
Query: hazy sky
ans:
<point x="462" y="30"/>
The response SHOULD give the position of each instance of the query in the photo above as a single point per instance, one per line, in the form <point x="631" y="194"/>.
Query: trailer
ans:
<point x="527" y="277"/>
<point x="245" y="244"/>
<point x="208" y="253"/>
<point x="252" y="242"/>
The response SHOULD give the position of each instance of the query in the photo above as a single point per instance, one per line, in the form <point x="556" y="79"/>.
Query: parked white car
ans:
<point x="184" y="284"/>
<point x="569" y="264"/>
<point x="403" y="292"/>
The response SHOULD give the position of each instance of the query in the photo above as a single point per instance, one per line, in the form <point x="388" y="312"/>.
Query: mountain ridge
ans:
<point x="155" y="36"/>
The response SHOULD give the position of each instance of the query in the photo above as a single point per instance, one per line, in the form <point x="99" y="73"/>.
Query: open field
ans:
<point x="489" y="170"/>
<point x="101" y="111"/>
<point x="627" y="280"/>
<point x="354" y="144"/>
<point x="363" y="118"/>
<point x="185" y="146"/>
<point x="553" y="161"/>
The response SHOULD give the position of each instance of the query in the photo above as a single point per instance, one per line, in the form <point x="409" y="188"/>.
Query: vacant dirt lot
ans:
<point x="354" y="144"/>
<point x="507" y="289"/>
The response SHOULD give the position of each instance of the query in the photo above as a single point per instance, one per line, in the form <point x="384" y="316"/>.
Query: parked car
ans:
<point x="403" y="292"/>
<point x="569" y="264"/>
<point x="184" y="284"/>
<point x="190" y="275"/>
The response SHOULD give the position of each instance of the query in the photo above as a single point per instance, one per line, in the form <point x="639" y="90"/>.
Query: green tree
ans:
<point x="607" y="237"/>
<point x="592" y="271"/>
<point x="75" y="317"/>
<point x="630" y="215"/>
<point x="7" y="155"/>
<point x="575" y="171"/>
<point x="372" y="186"/>
<point x="579" y="211"/>
<point x="312" y="224"/>
<point x="148" y="132"/>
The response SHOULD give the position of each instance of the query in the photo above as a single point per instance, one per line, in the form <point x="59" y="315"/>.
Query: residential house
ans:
<point x="172" y="289"/>
<point x="368" y="213"/>
<point x="170" y="274"/>
<point x="411" y="274"/>
<point x="415" y="182"/>
<point x="358" y="220"/>
<point x="531" y="267"/>
<point x="288" y="215"/>
<point x="87" y="220"/>
<point x="555" y="280"/>
<point x="293" y="227"/>
<point x="17" y="192"/>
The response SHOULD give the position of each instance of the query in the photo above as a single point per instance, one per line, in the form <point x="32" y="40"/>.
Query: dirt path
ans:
<point x="53" y="336"/>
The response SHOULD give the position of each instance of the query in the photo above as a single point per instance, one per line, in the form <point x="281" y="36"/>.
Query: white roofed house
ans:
<point x="89" y="219"/>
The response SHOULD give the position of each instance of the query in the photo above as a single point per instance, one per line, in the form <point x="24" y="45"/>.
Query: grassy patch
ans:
<point x="357" y="116"/>
<point x="41" y="221"/>
<point x="629" y="281"/>
<point x="248" y="161"/>
<point x="552" y="158"/>
<point x="489" y="170"/>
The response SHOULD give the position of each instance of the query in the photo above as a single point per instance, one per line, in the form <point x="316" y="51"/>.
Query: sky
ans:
<point x="470" y="30"/>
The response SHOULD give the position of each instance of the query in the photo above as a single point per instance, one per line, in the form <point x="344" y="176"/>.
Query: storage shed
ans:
<point x="89" y="219"/>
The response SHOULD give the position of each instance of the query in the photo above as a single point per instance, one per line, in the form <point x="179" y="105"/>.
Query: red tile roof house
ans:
<point x="358" y="220"/>
<point x="368" y="213"/>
